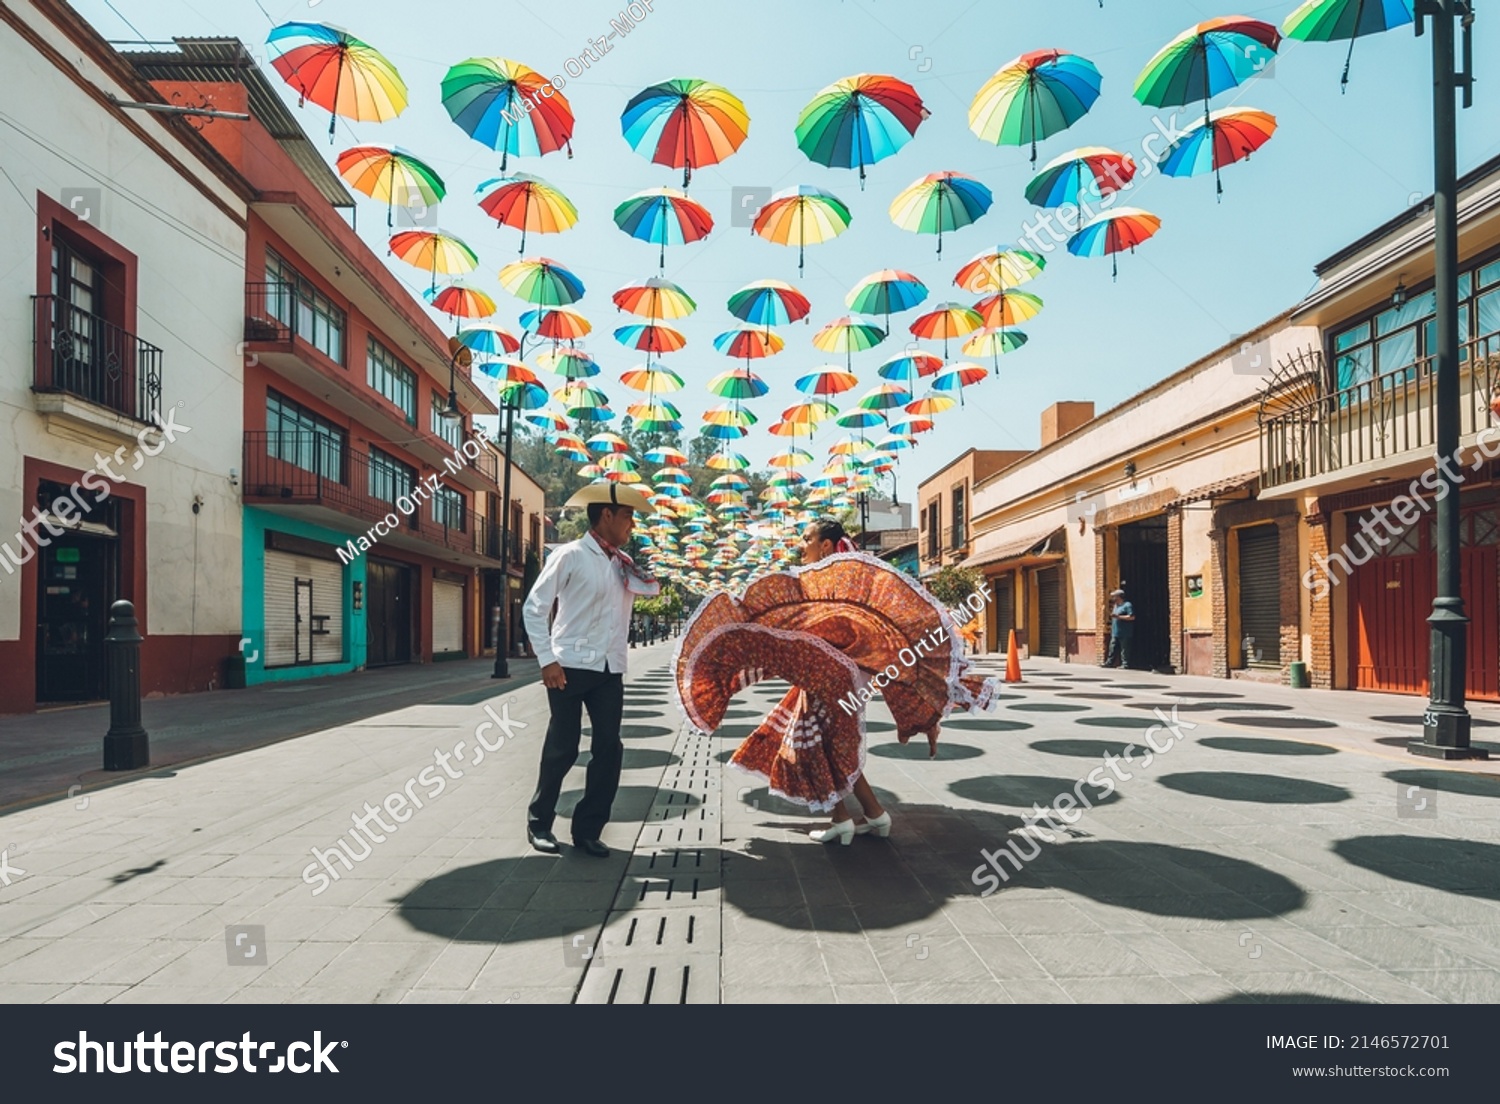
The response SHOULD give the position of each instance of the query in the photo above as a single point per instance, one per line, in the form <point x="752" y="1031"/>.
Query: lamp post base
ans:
<point x="1438" y="751"/>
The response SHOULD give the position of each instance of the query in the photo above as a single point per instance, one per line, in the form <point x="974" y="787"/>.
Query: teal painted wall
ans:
<point x="256" y="523"/>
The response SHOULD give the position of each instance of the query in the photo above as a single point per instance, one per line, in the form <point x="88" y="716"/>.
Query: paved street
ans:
<point x="1285" y="848"/>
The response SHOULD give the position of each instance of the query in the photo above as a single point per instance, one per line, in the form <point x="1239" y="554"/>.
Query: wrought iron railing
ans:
<point x="86" y="355"/>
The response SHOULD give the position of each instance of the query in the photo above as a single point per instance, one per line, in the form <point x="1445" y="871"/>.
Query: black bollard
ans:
<point x="126" y="745"/>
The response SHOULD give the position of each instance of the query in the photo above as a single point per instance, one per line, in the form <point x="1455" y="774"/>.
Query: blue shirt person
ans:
<point x="1121" y="629"/>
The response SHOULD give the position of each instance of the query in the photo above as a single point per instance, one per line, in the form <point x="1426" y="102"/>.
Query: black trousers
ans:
<point x="602" y="693"/>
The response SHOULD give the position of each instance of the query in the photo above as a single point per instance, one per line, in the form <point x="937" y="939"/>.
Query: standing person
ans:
<point x="594" y="584"/>
<point x="1121" y="629"/>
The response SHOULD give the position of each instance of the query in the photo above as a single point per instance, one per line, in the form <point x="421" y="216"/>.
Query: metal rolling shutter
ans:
<point x="304" y="610"/>
<point x="447" y="617"/>
<point x="1004" y="613"/>
<point x="1049" y="609"/>
<point x="1260" y="594"/>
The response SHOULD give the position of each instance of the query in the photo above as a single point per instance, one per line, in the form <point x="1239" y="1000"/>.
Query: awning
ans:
<point x="1049" y="543"/>
<point x="1216" y="490"/>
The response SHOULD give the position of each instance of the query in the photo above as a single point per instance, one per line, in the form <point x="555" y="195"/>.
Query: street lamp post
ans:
<point x="1446" y="723"/>
<point x="502" y="631"/>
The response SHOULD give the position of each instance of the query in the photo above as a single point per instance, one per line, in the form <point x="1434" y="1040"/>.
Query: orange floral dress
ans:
<point x="839" y="631"/>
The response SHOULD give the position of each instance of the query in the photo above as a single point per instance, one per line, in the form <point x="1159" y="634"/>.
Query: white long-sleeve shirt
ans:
<point x="594" y="603"/>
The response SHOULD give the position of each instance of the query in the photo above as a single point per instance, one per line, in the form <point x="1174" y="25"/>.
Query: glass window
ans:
<point x="318" y="321"/>
<point x="390" y="478"/>
<point x="1489" y="274"/>
<point x="1352" y="336"/>
<point x="1489" y="314"/>
<point x="452" y="432"/>
<point x="1413" y="310"/>
<point x="1396" y="352"/>
<point x="300" y="437"/>
<point x="1356" y="367"/>
<point x="448" y="508"/>
<point x="389" y="377"/>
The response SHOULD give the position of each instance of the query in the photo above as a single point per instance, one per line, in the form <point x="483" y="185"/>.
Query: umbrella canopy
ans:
<point x="508" y="107"/>
<point x="460" y="301"/>
<point x="549" y="421"/>
<point x="930" y="404"/>
<point x="507" y="370"/>
<point x="528" y="204"/>
<point x="958" y="376"/>
<point x="338" y="72"/>
<point x="664" y="216"/>
<point x="887" y="396"/>
<point x="1081" y="176"/>
<point x="810" y="413"/>
<point x="728" y="461"/>
<point x="729" y="414"/>
<point x="1225" y="137"/>
<point x="906" y="367"/>
<point x="1204" y="60"/>
<point x="886" y="292"/>
<point x="752" y="344"/>
<point x="860" y="419"/>
<point x="674" y="475"/>
<point x="652" y="380"/>
<point x="1112" y="233"/>
<point x="739" y="384"/>
<point x="607" y="442"/>
<point x="792" y="458"/>
<point x="1034" y="97"/>
<point x="910" y="427"/>
<point x="769" y="303"/>
<point x="650" y="337"/>
<point x="996" y="269"/>
<point x="569" y="363"/>
<point x="827" y="381"/>
<point x="859" y="121"/>
<point x="685" y="124"/>
<point x="557" y="323"/>
<point x="580" y="397"/>
<point x="666" y="454"/>
<point x="940" y="202"/>
<point x="522" y="395"/>
<point x="1336" y="20"/>
<point x="994" y="344"/>
<point x="848" y="335"/>
<point x="542" y="281"/>
<point x="434" y="251"/>
<point x="489" y="339"/>
<point x="1008" y="308"/>
<point x="945" y="322"/>
<point x="393" y="175"/>
<point x="802" y="216"/>
<point x="656" y="298"/>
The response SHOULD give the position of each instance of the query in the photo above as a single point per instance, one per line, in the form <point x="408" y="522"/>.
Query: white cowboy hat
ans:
<point x="612" y="494"/>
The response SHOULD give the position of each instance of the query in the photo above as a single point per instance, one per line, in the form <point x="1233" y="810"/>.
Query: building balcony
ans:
<point x="302" y="475"/>
<point x="1374" y="425"/>
<point x="90" y="371"/>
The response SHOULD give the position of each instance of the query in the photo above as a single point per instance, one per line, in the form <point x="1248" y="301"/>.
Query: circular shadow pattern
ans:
<point x="1262" y="789"/>
<point x="1048" y="707"/>
<point x="1212" y="695"/>
<point x="1116" y="722"/>
<point x="1082" y="749"/>
<point x="1454" y="866"/>
<point x="1459" y="782"/>
<point x="1415" y="721"/>
<point x="984" y="724"/>
<point x="917" y="750"/>
<point x="879" y="726"/>
<point x="640" y="758"/>
<point x="734" y="731"/>
<point x="742" y="714"/>
<point x="1136" y="685"/>
<point x="1022" y="791"/>
<point x="1092" y="696"/>
<point x="1087" y="678"/>
<point x="1278" y="722"/>
<point x="1253" y="746"/>
<point x="1211" y="706"/>
<point x="644" y="732"/>
<point x="641" y="714"/>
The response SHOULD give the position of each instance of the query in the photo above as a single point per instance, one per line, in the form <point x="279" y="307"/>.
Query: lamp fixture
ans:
<point x="1130" y="469"/>
<point x="1400" y="295"/>
<point x="451" y="413"/>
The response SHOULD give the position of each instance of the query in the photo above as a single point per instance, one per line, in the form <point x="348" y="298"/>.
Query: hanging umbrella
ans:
<point x="650" y="338"/>
<point x="996" y="269"/>
<point x="656" y="299"/>
<point x="434" y="252"/>
<point x="720" y="432"/>
<point x="528" y="204"/>
<point x="848" y="335"/>
<point x="1211" y="57"/>
<point x="607" y="442"/>
<point x="542" y="281"/>
<point x="460" y="301"/>
<point x="652" y="380"/>
<point x="859" y="121"/>
<point x="1008" y="308"/>
<point x="1336" y="20"/>
<point x="940" y="202"/>
<point x="792" y="458"/>
<point x="906" y="367"/>
<point x="1227" y="136"/>
<point x="810" y="413"/>
<point x="930" y="404"/>
<point x="673" y="475"/>
<point x="393" y="175"/>
<point x="849" y="446"/>
<point x="523" y="395"/>
<point x="729" y="414"/>
<point x="338" y="72"/>
<point x="548" y="421"/>
<point x="557" y="323"/>
<point x="947" y="321"/>
<point x="749" y="343"/>
<point x="666" y="454"/>
<point x="728" y="461"/>
<point x="910" y="427"/>
<point x="1080" y="176"/>
<point x="489" y="339"/>
<point x="685" y="124"/>
<point x="576" y="396"/>
<point x="664" y="216"/>
<point x="569" y="363"/>
<point x="827" y="381"/>
<point x="1034" y="97"/>
<point x="508" y="107"/>
<point x="1112" y="233"/>
<point x="994" y="344"/>
<point x="738" y="384"/>
<point x="859" y="419"/>
<point x="731" y="479"/>
<point x="887" y="396"/>
<point x="802" y="216"/>
<point x="769" y="303"/>
<point x="958" y="376"/>
<point x="507" y="370"/>
<point x="571" y="441"/>
<point x="886" y="292"/>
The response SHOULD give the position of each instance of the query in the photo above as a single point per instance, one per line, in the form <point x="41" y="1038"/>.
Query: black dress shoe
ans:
<point x="592" y="847"/>
<point x="545" y="842"/>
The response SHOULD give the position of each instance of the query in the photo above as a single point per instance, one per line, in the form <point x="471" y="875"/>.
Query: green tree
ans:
<point x="953" y="585"/>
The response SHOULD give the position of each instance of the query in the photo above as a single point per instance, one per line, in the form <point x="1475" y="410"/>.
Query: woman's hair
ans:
<point x="829" y="529"/>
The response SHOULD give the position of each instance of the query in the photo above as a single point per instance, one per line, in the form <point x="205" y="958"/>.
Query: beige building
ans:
<point x="945" y="504"/>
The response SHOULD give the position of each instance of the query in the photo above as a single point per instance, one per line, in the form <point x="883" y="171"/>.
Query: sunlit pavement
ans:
<point x="1285" y="847"/>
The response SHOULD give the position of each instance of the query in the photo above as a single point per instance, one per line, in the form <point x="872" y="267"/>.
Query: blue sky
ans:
<point x="1337" y="166"/>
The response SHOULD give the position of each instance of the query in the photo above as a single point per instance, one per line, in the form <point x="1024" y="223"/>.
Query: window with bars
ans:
<point x="390" y="478"/>
<point x="450" y="431"/>
<point x="293" y="301"/>
<point x="960" y="518"/>
<point x="392" y="379"/>
<point x="298" y="436"/>
<point x="448" y="508"/>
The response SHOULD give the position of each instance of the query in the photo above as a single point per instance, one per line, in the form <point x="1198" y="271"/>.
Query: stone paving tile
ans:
<point x="859" y="993"/>
<point x="950" y="992"/>
<point x="779" y="994"/>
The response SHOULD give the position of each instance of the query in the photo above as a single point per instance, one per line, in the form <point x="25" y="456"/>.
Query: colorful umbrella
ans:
<point x="938" y="202"/>
<point x="947" y="321"/>
<point x="729" y="414"/>
<point x="802" y="216"/>
<point x="685" y="124"/>
<point x="522" y="395"/>
<point x="607" y="442"/>
<point x="1008" y="308"/>
<point x="507" y="370"/>
<point x="460" y="301"/>
<point x="392" y="175"/>
<point x="1112" y="233"/>
<point x="930" y="404"/>
<point x="858" y="121"/>
<point x="542" y="281"/>
<point x="656" y="298"/>
<point x="557" y="323"/>
<point x="848" y="335"/>
<point x="664" y="216"/>
<point x="509" y="107"/>
<point x="1034" y="97"/>
<point x="809" y="413"/>
<point x="859" y="419"/>
<point x="548" y="421"/>
<point x="958" y="376"/>
<point x="1080" y="176"/>
<point x="752" y="344"/>
<point x="769" y="303"/>
<point x="886" y="292"/>
<point x="996" y="269"/>
<point x="650" y="337"/>
<point x="1335" y="20"/>
<point x="652" y="380"/>
<point x="1227" y="136"/>
<point x="906" y="367"/>
<point x="887" y="396"/>
<point x="488" y="339"/>
<point x="827" y="381"/>
<point x="666" y="454"/>
<point x="673" y="475"/>
<point x="338" y="72"/>
<point x="1204" y="60"/>
<point x="569" y="363"/>
<point x="528" y="204"/>
<point x="738" y="384"/>
<point x="792" y="458"/>
<point x="434" y="251"/>
<point x="994" y="344"/>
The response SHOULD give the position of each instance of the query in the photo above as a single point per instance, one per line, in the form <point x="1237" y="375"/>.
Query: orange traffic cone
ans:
<point x="1012" y="659"/>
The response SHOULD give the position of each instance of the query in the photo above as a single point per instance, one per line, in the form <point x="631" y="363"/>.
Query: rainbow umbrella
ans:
<point x="947" y="321"/>
<point x="886" y="292"/>
<point x="652" y="380"/>
<point x="607" y="442"/>
<point x="958" y="376"/>
<point x="810" y="413"/>
<point x="1034" y="97"/>
<point x="666" y="454"/>
<point x="827" y="381"/>
<point x="685" y="124"/>
<point x="548" y="421"/>
<point x="859" y="419"/>
<point x="729" y="414"/>
<point x="1008" y="308"/>
<point x="769" y="303"/>
<point x="906" y="367"/>
<point x="738" y="384"/>
<point x="1227" y="136"/>
<point x="488" y="339"/>
<point x="542" y="281"/>
<point x="731" y="479"/>
<point x="591" y="413"/>
<point x="802" y="216"/>
<point x="650" y="337"/>
<point x="749" y="343"/>
<point x="1112" y="233"/>
<point x="591" y="471"/>
<point x="522" y="395"/>
<point x="930" y="404"/>
<point x="849" y="446"/>
<point x="848" y="335"/>
<point x="938" y="202"/>
<point x="576" y="396"/>
<point x="858" y="121"/>
<point x="673" y="475"/>
<point x="1204" y="60"/>
<point x="393" y="175"/>
<point x="723" y="432"/>
<point x="509" y="107"/>
<point x="434" y="251"/>
<point x="887" y="396"/>
<point x="994" y="344"/>
<point x="571" y="441"/>
<point x="656" y="298"/>
<point x="460" y="301"/>
<point x="528" y="204"/>
<point x="910" y="427"/>
<point x="569" y="363"/>
<point x="506" y="370"/>
<point x="338" y="72"/>
<point x="557" y="323"/>
<point x="996" y="269"/>
<point x="728" y="461"/>
<point x="1081" y="175"/>
<point x="792" y="458"/>
<point x="1335" y="20"/>
<point x="664" y="216"/>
